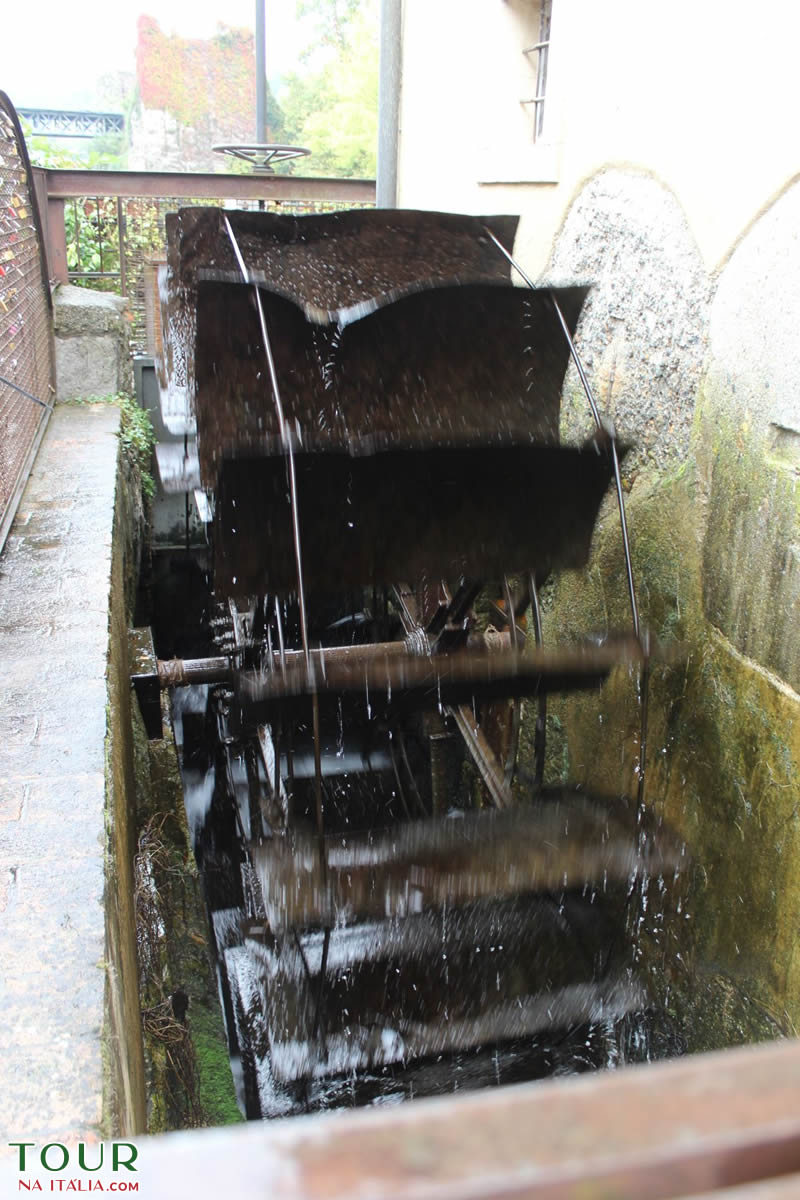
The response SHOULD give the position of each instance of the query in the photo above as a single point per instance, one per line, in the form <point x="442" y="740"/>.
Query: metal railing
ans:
<point x="105" y="229"/>
<point x="27" y="374"/>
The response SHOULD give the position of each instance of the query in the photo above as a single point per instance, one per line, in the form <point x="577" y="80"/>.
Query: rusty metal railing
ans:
<point x="106" y="228"/>
<point x="27" y="373"/>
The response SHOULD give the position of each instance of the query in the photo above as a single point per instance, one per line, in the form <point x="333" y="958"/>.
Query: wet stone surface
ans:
<point x="54" y="590"/>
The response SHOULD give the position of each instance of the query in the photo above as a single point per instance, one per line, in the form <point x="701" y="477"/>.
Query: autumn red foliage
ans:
<point x="199" y="81"/>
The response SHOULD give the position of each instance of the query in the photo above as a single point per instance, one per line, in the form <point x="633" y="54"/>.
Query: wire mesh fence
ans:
<point x="117" y="244"/>
<point x="26" y="356"/>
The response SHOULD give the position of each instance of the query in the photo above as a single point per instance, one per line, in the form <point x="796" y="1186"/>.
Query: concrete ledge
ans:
<point x="55" y="582"/>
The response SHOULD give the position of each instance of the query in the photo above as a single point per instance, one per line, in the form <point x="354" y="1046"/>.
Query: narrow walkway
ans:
<point x="54" y="604"/>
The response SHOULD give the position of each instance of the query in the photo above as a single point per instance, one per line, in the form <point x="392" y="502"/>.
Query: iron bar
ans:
<point x="253" y="793"/>
<point x="545" y="14"/>
<point x="285" y="440"/>
<point x="540" y="732"/>
<point x="516" y="715"/>
<point x="29" y="395"/>
<point x="281" y="645"/>
<point x="261" y="73"/>
<point x="401" y="741"/>
<point x="122" y="235"/>
<point x="605" y="428"/>
<point x="645" y="675"/>
<point x="397" y="661"/>
<point x="400" y="791"/>
<point x="99" y="224"/>
<point x="319" y="1025"/>
<point x="482" y="753"/>
<point x="446" y="678"/>
<point x="64" y="184"/>
<point x="301" y="596"/>
<point x="483" y="756"/>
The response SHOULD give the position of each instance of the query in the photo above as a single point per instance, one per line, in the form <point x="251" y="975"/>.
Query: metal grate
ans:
<point x="542" y="51"/>
<point x="26" y="349"/>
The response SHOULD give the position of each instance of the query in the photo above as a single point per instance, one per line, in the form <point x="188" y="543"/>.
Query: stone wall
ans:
<point x="91" y="340"/>
<point x="124" y="1102"/>
<point x="698" y="371"/>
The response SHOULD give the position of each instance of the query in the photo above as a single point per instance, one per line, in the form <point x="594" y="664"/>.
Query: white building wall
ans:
<point x="699" y="93"/>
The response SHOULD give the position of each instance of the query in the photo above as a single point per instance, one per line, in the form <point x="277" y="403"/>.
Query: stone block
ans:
<point x="91" y="340"/>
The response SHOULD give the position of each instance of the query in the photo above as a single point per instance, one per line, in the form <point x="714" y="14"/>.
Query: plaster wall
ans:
<point x="694" y="94"/>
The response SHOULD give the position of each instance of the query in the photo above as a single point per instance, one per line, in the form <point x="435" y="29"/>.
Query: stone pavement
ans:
<point x="54" y="629"/>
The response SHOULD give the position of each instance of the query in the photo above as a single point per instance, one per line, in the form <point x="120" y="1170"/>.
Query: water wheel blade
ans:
<point x="335" y="265"/>
<point x="401" y="514"/>
<point x="397" y="991"/>
<point x="398" y="680"/>
<point x="568" y="841"/>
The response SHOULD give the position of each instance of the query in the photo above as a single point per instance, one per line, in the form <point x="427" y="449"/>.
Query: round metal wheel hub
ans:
<point x="262" y="155"/>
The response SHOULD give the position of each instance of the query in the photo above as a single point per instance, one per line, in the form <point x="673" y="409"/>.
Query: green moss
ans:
<point x="723" y="757"/>
<point x="751" y="584"/>
<point x="217" y="1093"/>
<point x="180" y="960"/>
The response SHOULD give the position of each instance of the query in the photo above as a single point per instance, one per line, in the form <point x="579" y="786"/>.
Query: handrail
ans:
<point x="66" y="184"/>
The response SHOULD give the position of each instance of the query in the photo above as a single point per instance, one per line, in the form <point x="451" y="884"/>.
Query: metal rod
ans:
<point x="281" y="646"/>
<point x="400" y="791"/>
<point x="276" y="784"/>
<point x="318" y="782"/>
<point x="385" y="665"/>
<point x="540" y="732"/>
<point x="545" y="14"/>
<point x="284" y="436"/>
<point x="253" y="793"/>
<point x="179" y="672"/>
<point x="578" y="364"/>
<point x="320" y="1028"/>
<point x="483" y="756"/>
<point x="99" y="231"/>
<point x="644" y="694"/>
<point x="261" y="73"/>
<point x="609" y="433"/>
<point x="516" y="716"/>
<point x="122" y="238"/>
<point x="30" y="395"/>
<point x="401" y="741"/>
<point x="301" y="597"/>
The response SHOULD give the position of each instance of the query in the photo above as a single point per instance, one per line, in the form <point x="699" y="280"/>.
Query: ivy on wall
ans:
<point x="196" y="80"/>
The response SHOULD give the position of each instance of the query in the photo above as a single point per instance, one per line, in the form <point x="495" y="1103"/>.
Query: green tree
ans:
<point x="332" y="106"/>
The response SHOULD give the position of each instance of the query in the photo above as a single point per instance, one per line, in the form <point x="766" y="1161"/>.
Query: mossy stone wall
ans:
<point x="124" y="1105"/>
<point x="714" y="519"/>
